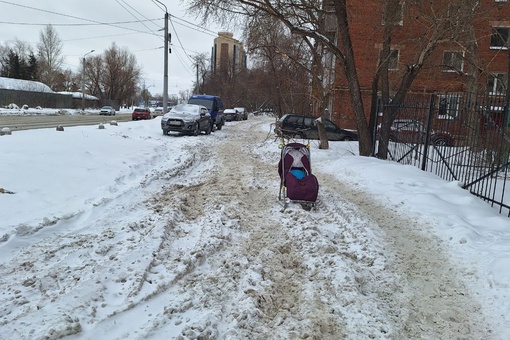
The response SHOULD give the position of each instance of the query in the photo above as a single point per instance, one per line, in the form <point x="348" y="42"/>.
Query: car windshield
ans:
<point x="186" y="108"/>
<point x="106" y="107"/>
<point x="205" y="102"/>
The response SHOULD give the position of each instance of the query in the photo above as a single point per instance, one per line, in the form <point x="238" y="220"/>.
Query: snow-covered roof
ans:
<point x="79" y="95"/>
<point x="23" y="85"/>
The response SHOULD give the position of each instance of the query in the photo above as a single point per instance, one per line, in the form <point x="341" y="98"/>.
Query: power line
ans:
<point x="102" y="36"/>
<point x="74" y="17"/>
<point x="72" y="25"/>
<point x="206" y="30"/>
<point x="140" y="21"/>
<point x="179" y="39"/>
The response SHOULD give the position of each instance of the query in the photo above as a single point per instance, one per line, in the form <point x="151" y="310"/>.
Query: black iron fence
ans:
<point x="458" y="137"/>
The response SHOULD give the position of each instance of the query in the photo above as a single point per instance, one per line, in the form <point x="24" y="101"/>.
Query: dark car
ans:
<point x="413" y="131"/>
<point x="231" y="114"/>
<point x="301" y="126"/>
<point x="188" y="119"/>
<point x="141" y="113"/>
<point x="242" y="112"/>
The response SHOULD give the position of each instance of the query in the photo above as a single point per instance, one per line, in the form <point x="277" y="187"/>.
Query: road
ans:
<point x="16" y="123"/>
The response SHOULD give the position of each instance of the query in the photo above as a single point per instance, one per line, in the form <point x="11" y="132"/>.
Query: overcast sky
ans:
<point x="133" y="24"/>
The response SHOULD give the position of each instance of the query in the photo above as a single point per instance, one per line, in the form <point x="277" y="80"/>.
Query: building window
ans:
<point x="393" y="14"/>
<point x="448" y="106"/>
<point x="392" y="59"/>
<point x="499" y="37"/>
<point x="497" y="83"/>
<point x="453" y="61"/>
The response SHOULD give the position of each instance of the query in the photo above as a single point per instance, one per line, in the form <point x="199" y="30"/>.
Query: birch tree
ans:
<point x="50" y="56"/>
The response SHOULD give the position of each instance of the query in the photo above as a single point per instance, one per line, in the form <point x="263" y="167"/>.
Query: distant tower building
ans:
<point x="228" y="54"/>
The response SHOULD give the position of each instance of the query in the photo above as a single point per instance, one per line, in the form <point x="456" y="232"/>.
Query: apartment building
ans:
<point x="227" y="54"/>
<point x="474" y="58"/>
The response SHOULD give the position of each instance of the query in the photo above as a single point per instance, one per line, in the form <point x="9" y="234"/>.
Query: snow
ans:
<point x="25" y="85"/>
<point x="123" y="233"/>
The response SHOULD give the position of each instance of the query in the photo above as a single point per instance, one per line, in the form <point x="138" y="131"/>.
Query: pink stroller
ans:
<point x="297" y="181"/>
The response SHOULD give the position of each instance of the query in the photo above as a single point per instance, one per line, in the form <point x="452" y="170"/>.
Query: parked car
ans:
<point x="141" y="113"/>
<point x="301" y="126"/>
<point x="215" y="106"/>
<point x="242" y="112"/>
<point x="107" y="111"/>
<point x="230" y="115"/>
<point x="158" y="111"/>
<point x="189" y="119"/>
<point x="413" y="131"/>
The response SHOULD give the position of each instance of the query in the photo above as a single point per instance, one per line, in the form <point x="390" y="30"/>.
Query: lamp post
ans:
<point x="83" y="81"/>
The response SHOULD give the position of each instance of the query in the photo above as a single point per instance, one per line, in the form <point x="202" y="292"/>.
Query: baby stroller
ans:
<point x="297" y="182"/>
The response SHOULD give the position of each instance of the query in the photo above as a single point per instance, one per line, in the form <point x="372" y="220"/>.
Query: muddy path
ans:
<point x="203" y="249"/>
<point x="350" y="269"/>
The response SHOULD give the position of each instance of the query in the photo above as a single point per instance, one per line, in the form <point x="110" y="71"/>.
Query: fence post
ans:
<point x="427" y="135"/>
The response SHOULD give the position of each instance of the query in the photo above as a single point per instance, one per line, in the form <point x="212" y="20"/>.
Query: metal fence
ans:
<point x="34" y="99"/>
<point x="459" y="138"/>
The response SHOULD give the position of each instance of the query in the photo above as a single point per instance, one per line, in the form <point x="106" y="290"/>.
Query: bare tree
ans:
<point x="304" y="18"/>
<point x="201" y="62"/>
<point x="50" y="56"/>
<point x="285" y="56"/>
<point x="444" y="22"/>
<point x="66" y="81"/>
<point x="440" y="21"/>
<point x="121" y="74"/>
<point x="113" y="75"/>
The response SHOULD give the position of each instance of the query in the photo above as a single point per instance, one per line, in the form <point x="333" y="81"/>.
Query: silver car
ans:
<point x="107" y="111"/>
<point x="190" y="119"/>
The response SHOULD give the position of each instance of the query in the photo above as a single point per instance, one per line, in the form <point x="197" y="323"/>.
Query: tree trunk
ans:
<point x="323" y="138"/>
<point x="365" y="145"/>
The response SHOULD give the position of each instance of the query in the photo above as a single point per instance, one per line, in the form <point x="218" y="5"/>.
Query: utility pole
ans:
<point x="197" y="88"/>
<point x="165" y="74"/>
<point x="167" y="38"/>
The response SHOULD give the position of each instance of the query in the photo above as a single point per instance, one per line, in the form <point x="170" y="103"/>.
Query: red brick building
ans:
<point x="450" y="67"/>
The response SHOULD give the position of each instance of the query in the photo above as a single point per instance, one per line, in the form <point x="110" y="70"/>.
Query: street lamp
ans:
<point x="83" y="81"/>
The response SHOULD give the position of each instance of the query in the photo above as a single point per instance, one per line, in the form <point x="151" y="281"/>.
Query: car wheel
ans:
<point x="165" y="133"/>
<point x="347" y="139"/>
<point x="440" y="142"/>
<point x="196" y="131"/>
